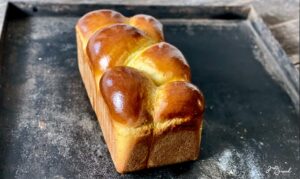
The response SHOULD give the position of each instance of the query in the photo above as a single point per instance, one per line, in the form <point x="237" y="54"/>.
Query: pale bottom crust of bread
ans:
<point x="147" y="146"/>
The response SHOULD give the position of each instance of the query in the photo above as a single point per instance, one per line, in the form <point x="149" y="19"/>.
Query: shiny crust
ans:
<point x="178" y="100"/>
<point x="132" y="98"/>
<point x="98" y="19"/>
<point x="140" y="90"/>
<point x="149" y="25"/>
<point x="113" y="44"/>
<point x="125" y="91"/>
<point x="95" y="20"/>
<point x="163" y="63"/>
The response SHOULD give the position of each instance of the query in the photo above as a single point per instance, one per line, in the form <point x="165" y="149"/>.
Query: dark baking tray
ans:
<point x="48" y="128"/>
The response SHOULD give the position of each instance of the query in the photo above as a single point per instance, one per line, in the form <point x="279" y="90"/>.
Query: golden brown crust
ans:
<point x="178" y="100"/>
<point x="149" y="25"/>
<point x="125" y="91"/>
<point x="95" y="20"/>
<point x="147" y="108"/>
<point x="162" y="62"/>
<point x="113" y="44"/>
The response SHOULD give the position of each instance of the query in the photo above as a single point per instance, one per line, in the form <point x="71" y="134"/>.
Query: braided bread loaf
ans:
<point x="139" y="86"/>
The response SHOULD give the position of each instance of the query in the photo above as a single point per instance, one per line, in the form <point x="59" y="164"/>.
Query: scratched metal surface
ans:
<point x="48" y="129"/>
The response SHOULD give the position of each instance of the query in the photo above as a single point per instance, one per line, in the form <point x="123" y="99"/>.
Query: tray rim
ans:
<point x="285" y="72"/>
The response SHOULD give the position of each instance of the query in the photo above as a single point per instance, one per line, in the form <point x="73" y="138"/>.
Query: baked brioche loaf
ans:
<point x="139" y="86"/>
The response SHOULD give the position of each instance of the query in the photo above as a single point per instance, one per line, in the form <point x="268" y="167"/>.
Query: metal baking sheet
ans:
<point x="48" y="128"/>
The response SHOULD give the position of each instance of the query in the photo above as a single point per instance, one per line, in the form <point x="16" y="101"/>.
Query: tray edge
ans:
<point x="285" y="72"/>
